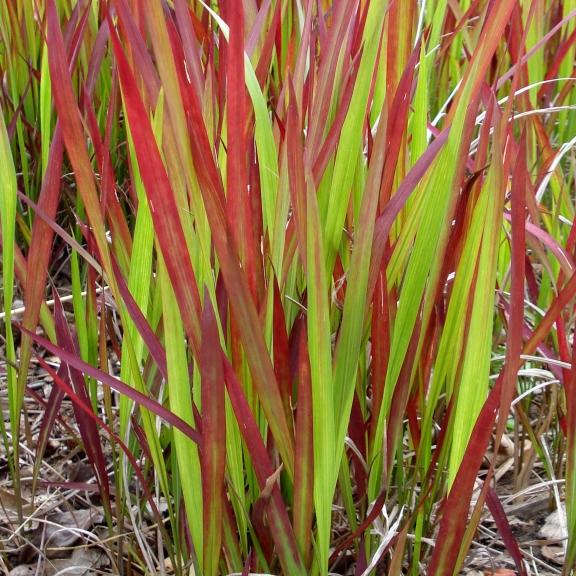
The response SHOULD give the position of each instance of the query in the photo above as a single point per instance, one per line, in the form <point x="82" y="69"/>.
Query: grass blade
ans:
<point x="213" y="438"/>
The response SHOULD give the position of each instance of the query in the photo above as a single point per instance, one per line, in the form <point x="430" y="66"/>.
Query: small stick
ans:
<point x="22" y="309"/>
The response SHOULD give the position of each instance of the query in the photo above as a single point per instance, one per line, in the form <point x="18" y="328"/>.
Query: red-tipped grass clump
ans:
<point x="301" y="276"/>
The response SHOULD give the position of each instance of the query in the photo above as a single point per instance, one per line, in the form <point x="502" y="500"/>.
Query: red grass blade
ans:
<point x="162" y="203"/>
<point x="152" y="405"/>
<point x="213" y="455"/>
<point x="295" y="154"/>
<point x="40" y="248"/>
<point x="51" y="412"/>
<point x="505" y="530"/>
<point x="456" y="507"/>
<point x="237" y="202"/>
<point x="304" y="478"/>
<point x="278" y="521"/>
<point x="87" y="427"/>
<point x="87" y="410"/>
<point x="281" y="352"/>
<point x="72" y="131"/>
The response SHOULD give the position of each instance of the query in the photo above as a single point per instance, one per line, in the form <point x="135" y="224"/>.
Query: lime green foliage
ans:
<point x="8" y="224"/>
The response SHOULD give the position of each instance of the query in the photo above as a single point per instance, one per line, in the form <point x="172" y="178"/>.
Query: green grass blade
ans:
<point x="8" y="221"/>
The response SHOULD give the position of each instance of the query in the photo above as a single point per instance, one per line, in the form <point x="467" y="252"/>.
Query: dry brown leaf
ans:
<point x="63" y="529"/>
<point x="270" y="483"/>
<point x="23" y="570"/>
<point x="59" y="531"/>
<point x="10" y="502"/>
<point x="83" y="562"/>
<point x="554" y="527"/>
<point x="554" y="554"/>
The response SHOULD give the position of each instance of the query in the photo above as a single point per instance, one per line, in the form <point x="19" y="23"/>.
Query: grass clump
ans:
<point x="304" y="271"/>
